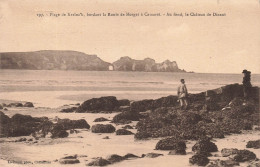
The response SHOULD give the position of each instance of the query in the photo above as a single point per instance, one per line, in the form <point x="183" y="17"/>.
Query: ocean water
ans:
<point x="56" y="88"/>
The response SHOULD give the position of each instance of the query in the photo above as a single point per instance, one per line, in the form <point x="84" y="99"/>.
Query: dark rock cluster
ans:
<point x="204" y="145"/>
<point x="231" y="116"/>
<point x="17" y="104"/>
<point x="106" y="104"/>
<point x="114" y="158"/>
<point x="123" y="132"/>
<point x="238" y="155"/>
<point x="101" y="119"/>
<point x="171" y="143"/>
<point x="25" y="125"/>
<point x="100" y="128"/>
<point x="253" y="144"/>
<point x="126" y="117"/>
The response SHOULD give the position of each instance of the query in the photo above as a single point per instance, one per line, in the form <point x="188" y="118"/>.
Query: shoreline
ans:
<point x="88" y="145"/>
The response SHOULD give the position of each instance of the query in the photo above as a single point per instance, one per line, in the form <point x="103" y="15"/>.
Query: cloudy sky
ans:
<point x="226" y="44"/>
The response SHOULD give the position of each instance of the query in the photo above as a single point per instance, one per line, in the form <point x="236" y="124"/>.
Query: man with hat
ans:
<point x="182" y="94"/>
<point x="246" y="83"/>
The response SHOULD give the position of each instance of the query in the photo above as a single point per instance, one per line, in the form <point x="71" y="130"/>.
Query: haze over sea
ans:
<point x="55" y="88"/>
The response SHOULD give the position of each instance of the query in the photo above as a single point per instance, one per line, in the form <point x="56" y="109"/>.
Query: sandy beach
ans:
<point x="88" y="146"/>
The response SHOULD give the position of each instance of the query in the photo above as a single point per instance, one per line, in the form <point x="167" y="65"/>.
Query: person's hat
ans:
<point x="244" y="71"/>
<point x="182" y="80"/>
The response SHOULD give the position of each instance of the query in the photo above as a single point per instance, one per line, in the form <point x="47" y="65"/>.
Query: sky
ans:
<point x="205" y="44"/>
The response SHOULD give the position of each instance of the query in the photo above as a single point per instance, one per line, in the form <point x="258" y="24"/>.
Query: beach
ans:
<point x="51" y="98"/>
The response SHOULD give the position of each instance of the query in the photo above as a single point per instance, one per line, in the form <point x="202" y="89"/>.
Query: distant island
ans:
<point x="73" y="60"/>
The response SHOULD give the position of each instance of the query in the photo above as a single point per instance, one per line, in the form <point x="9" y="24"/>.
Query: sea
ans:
<point x="54" y="88"/>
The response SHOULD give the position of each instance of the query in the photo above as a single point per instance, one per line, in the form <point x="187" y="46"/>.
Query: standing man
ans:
<point x="246" y="83"/>
<point x="182" y="94"/>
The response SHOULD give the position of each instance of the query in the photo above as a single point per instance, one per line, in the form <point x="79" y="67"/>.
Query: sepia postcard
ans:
<point x="129" y="83"/>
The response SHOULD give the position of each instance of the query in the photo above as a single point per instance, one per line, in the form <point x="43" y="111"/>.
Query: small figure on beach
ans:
<point x="182" y="95"/>
<point x="246" y="83"/>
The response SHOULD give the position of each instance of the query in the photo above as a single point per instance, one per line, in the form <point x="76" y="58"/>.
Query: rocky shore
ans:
<point x="214" y="114"/>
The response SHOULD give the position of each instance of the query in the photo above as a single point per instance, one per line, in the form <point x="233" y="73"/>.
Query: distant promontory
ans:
<point x="73" y="60"/>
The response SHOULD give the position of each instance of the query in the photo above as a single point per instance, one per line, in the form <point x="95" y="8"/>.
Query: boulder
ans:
<point x="101" y="119"/>
<point x="15" y="105"/>
<point x="228" y="151"/>
<point x="204" y="145"/>
<point x="28" y="104"/>
<point x="253" y="144"/>
<point x="199" y="159"/>
<point x="106" y="104"/>
<point x="244" y="155"/>
<point x="99" y="162"/>
<point x="68" y="110"/>
<point x="115" y="158"/>
<point x="130" y="156"/>
<point x="21" y="119"/>
<point x="124" y="102"/>
<point x="171" y="144"/>
<point x="100" y="128"/>
<point x="73" y="124"/>
<point x="1" y="107"/>
<point x="58" y="132"/>
<point x="126" y="116"/>
<point x="153" y="155"/>
<point x="123" y="132"/>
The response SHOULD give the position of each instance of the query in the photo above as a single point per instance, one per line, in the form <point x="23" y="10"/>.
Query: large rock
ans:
<point x="253" y="144"/>
<point x="99" y="162"/>
<point x="28" y="104"/>
<point x="15" y="105"/>
<point x="105" y="104"/>
<point x="171" y="144"/>
<point x="101" y="119"/>
<point x="244" y="155"/>
<point x="199" y="159"/>
<point x="59" y="132"/>
<point x="144" y="105"/>
<point x="204" y="145"/>
<point x="69" y="160"/>
<point x="123" y="132"/>
<point x="73" y="124"/>
<point x="126" y="116"/>
<point x="130" y="156"/>
<point x="115" y="158"/>
<point x="228" y="151"/>
<point x="100" y="128"/>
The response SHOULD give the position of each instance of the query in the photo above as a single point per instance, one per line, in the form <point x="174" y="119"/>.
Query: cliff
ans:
<point x="73" y="60"/>
<point x="148" y="65"/>
<point x="52" y="60"/>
